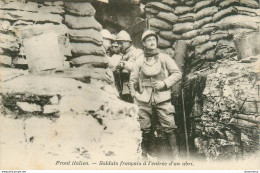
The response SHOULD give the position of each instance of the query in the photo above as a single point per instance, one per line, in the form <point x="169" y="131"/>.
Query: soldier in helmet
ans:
<point x="129" y="56"/>
<point x="156" y="73"/>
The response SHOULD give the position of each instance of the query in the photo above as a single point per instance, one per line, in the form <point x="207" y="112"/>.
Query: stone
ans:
<point x="29" y="107"/>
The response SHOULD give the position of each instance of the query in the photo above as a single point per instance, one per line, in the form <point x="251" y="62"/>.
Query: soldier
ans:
<point x="129" y="56"/>
<point x="156" y="73"/>
<point x="114" y="49"/>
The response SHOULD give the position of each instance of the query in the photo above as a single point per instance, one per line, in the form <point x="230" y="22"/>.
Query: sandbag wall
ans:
<point x="208" y="26"/>
<point x="85" y="38"/>
<point x="16" y="16"/>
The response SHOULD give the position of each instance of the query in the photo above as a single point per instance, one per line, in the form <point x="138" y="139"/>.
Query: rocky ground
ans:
<point x="64" y="115"/>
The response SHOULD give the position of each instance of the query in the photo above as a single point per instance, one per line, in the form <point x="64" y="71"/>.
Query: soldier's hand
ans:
<point x="159" y="85"/>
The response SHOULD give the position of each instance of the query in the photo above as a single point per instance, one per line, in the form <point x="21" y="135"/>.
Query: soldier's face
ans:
<point x="124" y="45"/>
<point x="150" y="43"/>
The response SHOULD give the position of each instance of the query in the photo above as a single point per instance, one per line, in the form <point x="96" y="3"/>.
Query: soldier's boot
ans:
<point x="145" y="145"/>
<point x="174" y="145"/>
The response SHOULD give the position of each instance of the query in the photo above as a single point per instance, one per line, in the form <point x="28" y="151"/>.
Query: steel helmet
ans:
<point x="106" y="34"/>
<point x="123" y="36"/>
<point x="149" y="33"/>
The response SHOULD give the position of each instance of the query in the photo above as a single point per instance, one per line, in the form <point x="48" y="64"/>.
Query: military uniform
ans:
<point x="129" y="57"/>
<point x="158" y="68"/>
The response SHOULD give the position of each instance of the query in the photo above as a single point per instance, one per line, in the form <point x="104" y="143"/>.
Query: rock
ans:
<point x="5" y="60"/>
<point x="50" y="109"/>
<point x="54" y="100"/>
<point x="27" y="107"/>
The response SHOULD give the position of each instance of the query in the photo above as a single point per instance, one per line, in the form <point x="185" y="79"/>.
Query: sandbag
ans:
<point x="189" y="17"/>
<point x="95" y="61"/>
<point x="5" y="60"/>
<point x="149" y="15"/>
<point x="210" y="55"/>
<point x="199" y="40"/>
<point x="160" y="6"/>
<point x="209" y="11"/>
<point x="86" y="35"/>
<point x="80" y="8"/>
<point x="226" y="4"/>
<point x="202" y="22"/>
<point x="182" y="10"/>
<point x="219" y="35"/>
<point x="170" y="2"/>
<point x="208" y="28"/>
<point x="54" y="3"/>
<point x="30" y="16"/>
<point x="223" y="13"/>
<point x="191" y="34"/>
<point x="201" y="49"/>
<point x="203" y="4"/>
<point x="86" y="22"/>
<point x="51" y="9"/>
<point x="163" y="43"/>
<point x="169" y="35"/>
<point x="237" y="21"/>
<point x="29" y="6"/>
<point x="250" y="3"/>
<point x="160" y="24"/>
<point x="87" y="49"/>
<point x="182" y="27"/>
<point x="4" y="25"/>
<point x="247" y="11"/>
<point x="151" y="10"/>
<point x="168" y="51"/>
<point x="169" y="17"/>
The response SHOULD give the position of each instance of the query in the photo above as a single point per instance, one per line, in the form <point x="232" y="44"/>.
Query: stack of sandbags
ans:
<point x="161" y="18"/>
<point x="202" y="24"/>
<point x="15" y="16"/>
<point x="85" y="38"/>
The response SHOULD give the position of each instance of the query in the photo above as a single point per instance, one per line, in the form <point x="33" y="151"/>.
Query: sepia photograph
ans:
<point x="130" y="85"/>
